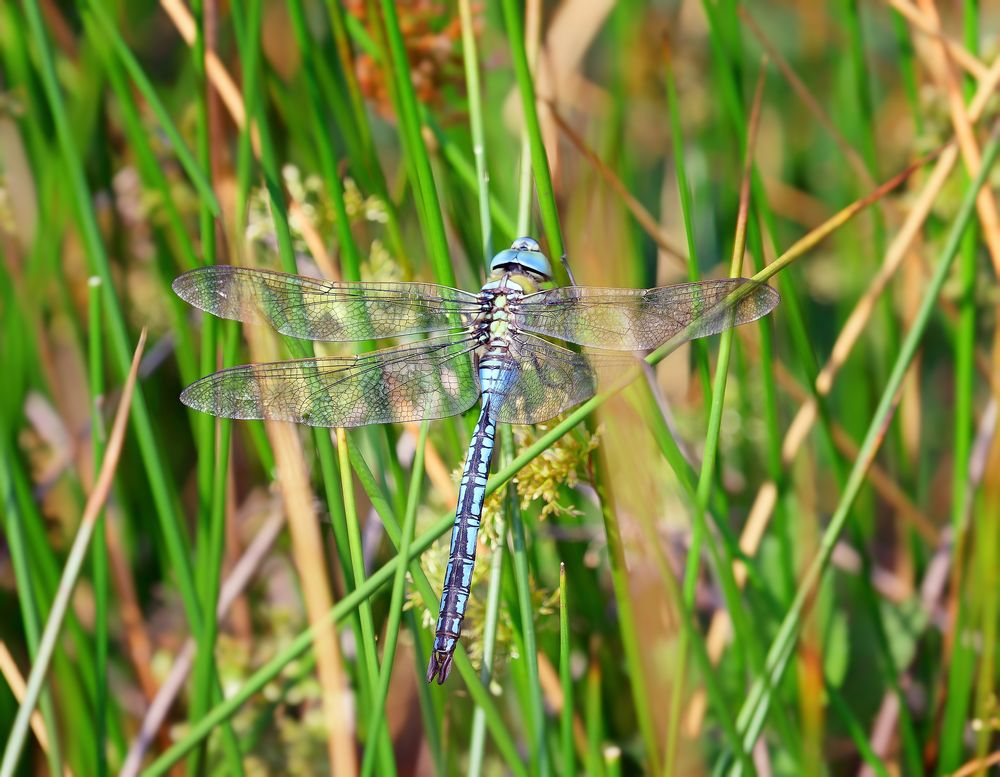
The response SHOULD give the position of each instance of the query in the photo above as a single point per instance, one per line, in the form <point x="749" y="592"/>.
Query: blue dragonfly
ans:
<point x="490" y="346"/>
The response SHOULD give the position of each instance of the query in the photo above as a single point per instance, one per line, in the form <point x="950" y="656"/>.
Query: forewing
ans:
<point x="320" y="310"/>
<point x="640" y="319"/>
<point x="552" y="379"/>
<point x="430" y="379"/>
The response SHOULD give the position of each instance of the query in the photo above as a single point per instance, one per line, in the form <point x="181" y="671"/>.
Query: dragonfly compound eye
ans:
<point x="526" y="254"/>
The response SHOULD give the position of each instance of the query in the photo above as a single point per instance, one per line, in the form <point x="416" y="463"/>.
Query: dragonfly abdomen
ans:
<point x="496" y="375"/>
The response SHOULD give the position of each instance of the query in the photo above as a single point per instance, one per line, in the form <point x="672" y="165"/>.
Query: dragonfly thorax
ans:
<point x="499" y="299"/>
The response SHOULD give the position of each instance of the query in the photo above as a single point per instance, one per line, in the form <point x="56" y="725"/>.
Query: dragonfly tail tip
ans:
<point x="439" y="666"/>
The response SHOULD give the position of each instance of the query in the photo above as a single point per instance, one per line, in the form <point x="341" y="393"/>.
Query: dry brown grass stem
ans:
<point x="15" y="681"/>
<point x="922" y="21"/>
<point x="310" y="563"/>
<point x="978" y="765"/>
<point x="967" y="143"/>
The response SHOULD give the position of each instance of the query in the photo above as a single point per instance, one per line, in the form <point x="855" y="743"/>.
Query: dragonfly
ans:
<point x="495" y="346"/>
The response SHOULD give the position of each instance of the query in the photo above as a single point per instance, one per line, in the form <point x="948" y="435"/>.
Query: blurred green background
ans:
<point x="780" y="555"/>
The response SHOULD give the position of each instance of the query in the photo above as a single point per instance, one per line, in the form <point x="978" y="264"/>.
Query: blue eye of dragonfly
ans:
<point x="482" y="346"/>
<point x="524" y="253"/>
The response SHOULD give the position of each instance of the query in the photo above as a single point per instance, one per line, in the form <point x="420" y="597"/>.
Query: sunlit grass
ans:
<point x="775" y="552"/>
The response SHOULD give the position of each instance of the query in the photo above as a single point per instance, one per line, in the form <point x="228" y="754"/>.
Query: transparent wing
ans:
<point x="320" y="310"/>
<point x="639" y="319"/>
<point x="430" y="379"/>
<point x="552" y="378"/>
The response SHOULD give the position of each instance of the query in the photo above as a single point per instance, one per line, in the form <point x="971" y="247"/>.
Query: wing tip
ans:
<point x="199" y="287"/>
<point x="772" y="298"/>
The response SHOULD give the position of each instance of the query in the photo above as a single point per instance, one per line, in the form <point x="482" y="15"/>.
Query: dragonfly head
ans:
<point x="524" y="255"/>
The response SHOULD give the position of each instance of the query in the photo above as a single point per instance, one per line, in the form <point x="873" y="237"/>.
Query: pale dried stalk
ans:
<point x="926" y="25"/>
<point x="967" y="143"/>
<point x="10" y="672"/>
<point x="307" y="550"/>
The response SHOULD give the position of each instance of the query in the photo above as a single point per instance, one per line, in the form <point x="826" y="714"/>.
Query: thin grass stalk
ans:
<point x="351" y="257"/>
<point x="704" y="372"/>
<point x="960" y="670"/>
<point x="376" y="718"/>
<point x="532" y="36"/>
<point x="685" y="196"/>
<point x="539" y="158"/>
<point x="706" y="480"/>
<point x="71" y="573"/>
<point x="536" y="718"/>
<point x="409" y="120"/>
<point x="368" y="669"/>
<point x="612" y="755"/>
<point x="494" y="586"/>
<point x="985" y="556"/>
<point x="754" y="711"/>
<point x="99" y="559"/>
<point x="466" y="173"/>
<point x="205" y="425"/>
<point x="985" y="600"/>
<point x="470" y="59"/>
<point x="568" y="764"/>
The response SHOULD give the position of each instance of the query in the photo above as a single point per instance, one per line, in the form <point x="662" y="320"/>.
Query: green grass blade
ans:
<point x="99" y="558"/>
<point x="539" y="159"/>
<point x="376" y="717"/>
